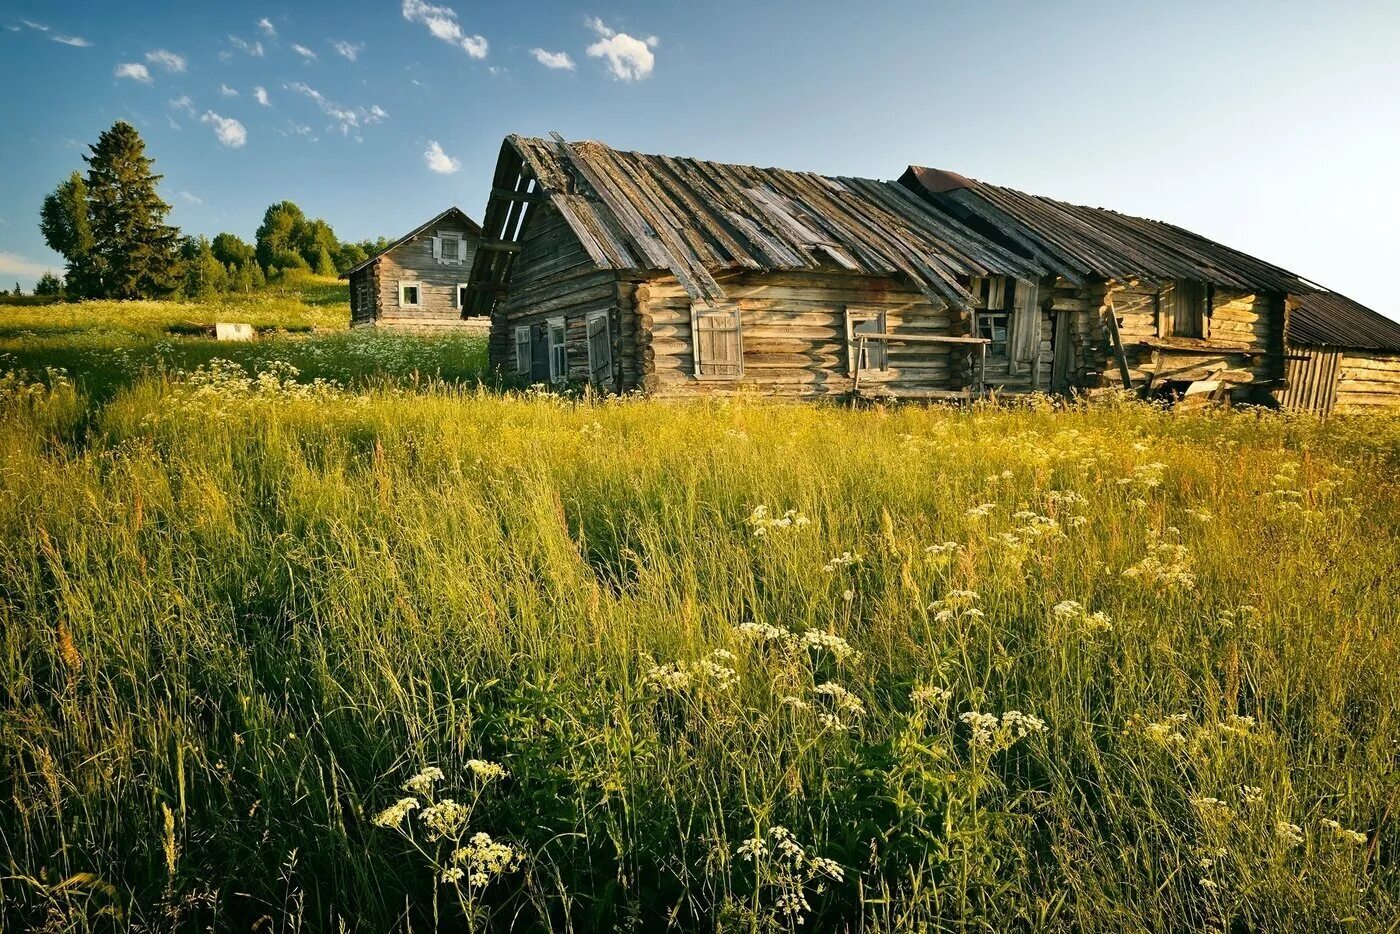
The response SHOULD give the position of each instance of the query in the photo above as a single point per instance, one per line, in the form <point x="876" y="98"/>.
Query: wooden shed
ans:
<point x="420" y="281"/>
<point x="1135" y="302"/>
<point x="684" y="277"/>
<point x="1342" y="356"/>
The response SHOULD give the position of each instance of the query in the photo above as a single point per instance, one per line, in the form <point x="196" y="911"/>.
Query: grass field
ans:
<point x="288" y="651"/>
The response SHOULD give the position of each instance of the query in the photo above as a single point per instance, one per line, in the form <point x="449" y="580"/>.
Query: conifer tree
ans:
<point x="67" y="229"/>
<point x="134" y="250"/>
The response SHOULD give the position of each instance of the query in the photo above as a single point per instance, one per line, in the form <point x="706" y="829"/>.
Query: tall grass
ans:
<point x="712" y="646"/>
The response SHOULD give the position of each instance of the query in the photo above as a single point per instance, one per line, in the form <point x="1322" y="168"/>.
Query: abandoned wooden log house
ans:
<point x="420" y="281"/>
<point x="685" y="277"/>
<point x="1143" y="303"/>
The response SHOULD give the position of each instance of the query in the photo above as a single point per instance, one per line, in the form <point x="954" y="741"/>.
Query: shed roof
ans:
<point x="634" y="211"/>
<point x="472" y="227"/>
<point x="1327" y="319"/>
<point x="1077" y="241"/>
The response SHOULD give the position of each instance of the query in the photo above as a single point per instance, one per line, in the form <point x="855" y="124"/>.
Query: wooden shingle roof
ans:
<point x="696" y="218"/>
<point x="1327" y="319"/>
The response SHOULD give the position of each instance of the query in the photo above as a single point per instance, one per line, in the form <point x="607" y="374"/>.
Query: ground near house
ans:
<point x="286" y="650"/>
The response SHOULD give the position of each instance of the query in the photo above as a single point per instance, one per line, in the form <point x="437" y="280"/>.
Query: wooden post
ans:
<point x="1117" y="339"/>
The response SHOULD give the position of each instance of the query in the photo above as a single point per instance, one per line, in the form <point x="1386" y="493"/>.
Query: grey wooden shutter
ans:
<point x="1187" y="318"/>
<point x="717" y="342"/>
<point x="462" y="250"/>
<point x="599" y="348"/>
<point x="437" y="248"/>
<point x="1025" y="327"/>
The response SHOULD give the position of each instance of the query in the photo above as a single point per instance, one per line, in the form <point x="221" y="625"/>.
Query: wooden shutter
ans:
<point x="437" y="248"/>
<point x="996" y="293"/>
<point x="1183" y="309"/>
<point x="717" y="341"/>
<point x="599" y="348"/>
<point x="1025" y="328"/>
<point x="523" y="356"/>
<point x="462" y="250"/>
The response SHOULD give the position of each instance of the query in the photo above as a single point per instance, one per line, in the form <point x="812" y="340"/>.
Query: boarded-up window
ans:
<point x="523" y="356"/>
<point x="718" y="342"/>
<point x="558" y="349"/>
<point x="1184" y="309"/>
<point x="876" y="357"/>
<point x="599" y="348"/>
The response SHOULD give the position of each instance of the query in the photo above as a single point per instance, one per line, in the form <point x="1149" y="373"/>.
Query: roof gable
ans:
<point x="454" y="213"/>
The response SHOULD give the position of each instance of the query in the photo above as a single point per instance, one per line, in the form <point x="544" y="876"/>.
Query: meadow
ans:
<point x="403" y="652"/>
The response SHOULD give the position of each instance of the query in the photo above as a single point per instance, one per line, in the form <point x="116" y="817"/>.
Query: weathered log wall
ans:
<point x="412" y="261"/>
<point x="1367" y="381"/>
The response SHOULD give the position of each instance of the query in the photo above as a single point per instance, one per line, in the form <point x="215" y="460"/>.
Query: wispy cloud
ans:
<point x="347" y="118"/>
<point x="628" y="58"/>
<point x="12" y="264"/>
<point x="75" y="41"/>
<point x="442" y="22"/>
<point x="304" y="52"/>
<point x="350" y="50"/>
<point x="227" y="91"/>
<point x="553" y="59"/>
<point x="183" y="103"/>
<point x="228" y="130"/>
<point x="189" y="198"/>
<point x="439" y="161"/>
<point x="133" y="70"/>
<point x="268" y="29"/>
<point x="167" y="60"/>
<point x="255" y="49"/>
<point x="260" y="95"/>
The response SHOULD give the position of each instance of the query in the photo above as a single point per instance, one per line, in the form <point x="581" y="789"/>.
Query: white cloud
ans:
<point x="167" y="60"/>
<point x="227" y="91"/>
<point x="629" y="58"/>
<point x="442" y="22"/>
<point x="260" y="95"/>
<point x="75" y="41"/>
<point x="439" y="161"/>
<point x="349" y="49"/>
<point x="303" y="51"/>
<point x="133" y="70"/>
<point x="183" y="103"/>
<point x="553" y="59"/>
<point x="12" y="264"/>
<point x="348" y="118"/>
<point x="33" y="25"/>
<point x="189" y="198"/>
<point x="268" y="29"/>
<point x="255" y="49"/>
<point x="229" y="131"/>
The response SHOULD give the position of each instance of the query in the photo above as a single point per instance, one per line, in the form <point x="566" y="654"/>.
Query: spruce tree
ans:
<point x="135" y="251"/>
<point x="67" y="228"/>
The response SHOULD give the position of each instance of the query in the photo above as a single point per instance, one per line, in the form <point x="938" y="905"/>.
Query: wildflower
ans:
<point x="1212" y="808"/>
<point x="445" y="819"/>
<point x="422" y="783"/>
<point x="394" y="815"/>
<point x="1209" y="885"/>
<point x="752" y="848"/>
<point x="486" y="858"/>
<point x="943" y="549"/>
<point x="842" y="699"/>
<point x="816" y="640"/>
<point x="990" y="730"/>
<point x="931" y="695"/>
<point x="793" y="701"/>
<point x="762" y="523"/>
<point x="1072" y="612"/>
<point x="1251" y="794"/>
<point x="1342" y="833"/>
<point x="452" y="874"/>
<point x="843" y="560"/>
<point x="1290" y="834"/>
<point x="980" y="511"/>
<point x="762" y="632"/>
<point x="486" y="771"/>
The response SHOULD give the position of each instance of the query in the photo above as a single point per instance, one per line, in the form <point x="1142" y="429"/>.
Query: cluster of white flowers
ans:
<point x="1067" y="499"/>
<point x="981" y="511"/>
<point x="486" y="771"/>
<point x="817" y="641"/>
<point x="1289" y="834"/>
<point x="956" y="604"/>
<point x="1212" y="808"/>
<point x="839" y="706"/>
<point x="762" y="523"/>
<point x="994" y="478"/>
<point x="1228" y="621"/>
<point x="422" y="783"/>
<point x="762" y="632"/>
<point x="708" y="672"/>
<point x="485" y="859"/>
<point x="1073" y="613"/>
<point x="930" y="695"/>
<point x="844" y="560"/>
<point x="1144" y="476"/>
<point x="1251" y="794"/>
<point x="990" y="730"/>
<point x="1167" y="565"/>
<point x="394" y="815"/>
<point x="942" y="553"/>
<point x="1342" y="833"/>
<point x="783" y="864"/>
<point x="445" y="818"/>
<point x="1167" y="732"/>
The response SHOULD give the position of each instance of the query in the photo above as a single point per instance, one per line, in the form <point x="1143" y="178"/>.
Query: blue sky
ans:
<point x="1273" y="127"/>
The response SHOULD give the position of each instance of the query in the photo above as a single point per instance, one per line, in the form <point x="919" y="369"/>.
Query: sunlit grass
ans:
<point x="1102" y="668"/>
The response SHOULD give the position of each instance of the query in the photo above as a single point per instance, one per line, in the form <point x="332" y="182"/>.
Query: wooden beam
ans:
<point x="511" y="194"/>
<point x="499" y="246"/>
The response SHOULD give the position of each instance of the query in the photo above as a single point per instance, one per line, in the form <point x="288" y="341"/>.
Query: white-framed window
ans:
<point x="450" y="247"/>
<point x="524" y="358"/>
<point x="558" y="349"/>
<point x="718" y="341"/>
<point x="410" y="294"/>
<point x="460" y="299"/>
<point x="877" y="353"/>
<point x="600" y="362"/>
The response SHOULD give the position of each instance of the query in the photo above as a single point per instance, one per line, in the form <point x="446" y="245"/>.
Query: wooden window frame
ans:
<point x="989" y="318"/>
<point x="593" y="365"/>
<point x="440" y="255"/>
<point x="457" y="295"/>
<point x="404" y="286"/>
<point x="873" y="349"/>
<point x="524" y="362"/>
<point x="700" y="310"/>
<point x="558" y="365"/>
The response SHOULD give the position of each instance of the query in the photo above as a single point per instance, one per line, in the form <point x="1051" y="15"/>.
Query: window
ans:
<point x="410" y="294"/>
<point x="1184" y="309"/>
<point x="449" y="247"/>
<point x="599" y="347"/>
<point x="991" y="325"/>
<point x="462" y="295"/>
<point x="558" y="349"/>
<point x="877" y="352"/>
<point x="718" y="342"/>
<point x="524" y="359"/>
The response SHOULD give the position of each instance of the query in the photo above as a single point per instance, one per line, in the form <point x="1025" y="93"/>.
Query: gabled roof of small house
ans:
<point x="469" y="226"/>
<point x="1327" y="319"/>
<point x="695" y="218"/>
<point x="1077" y="241"/>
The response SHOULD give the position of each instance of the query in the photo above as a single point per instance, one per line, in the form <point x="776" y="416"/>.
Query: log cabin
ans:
<point x="683" y="277"/>
<point x="419" y="282"/>
<point x="1151" y="306"/>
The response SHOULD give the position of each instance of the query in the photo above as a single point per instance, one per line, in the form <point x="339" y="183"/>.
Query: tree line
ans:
<point x="109" y="226"/>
